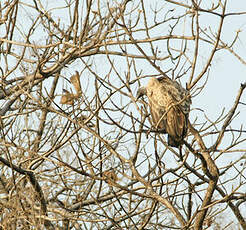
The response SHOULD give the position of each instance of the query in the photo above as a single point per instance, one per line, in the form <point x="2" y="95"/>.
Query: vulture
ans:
<point x="169" y="106"/>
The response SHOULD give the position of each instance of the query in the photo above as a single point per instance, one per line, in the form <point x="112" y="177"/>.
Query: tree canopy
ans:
<point x="79" y="152"/>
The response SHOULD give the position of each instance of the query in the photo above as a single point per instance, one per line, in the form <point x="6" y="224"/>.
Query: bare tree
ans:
<point x="78" y="151"/>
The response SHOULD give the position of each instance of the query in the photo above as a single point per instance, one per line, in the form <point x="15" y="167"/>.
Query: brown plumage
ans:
<point x="169" y="105"/>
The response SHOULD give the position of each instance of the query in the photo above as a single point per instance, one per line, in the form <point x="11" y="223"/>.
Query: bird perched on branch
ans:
<point x="169" y="105"/>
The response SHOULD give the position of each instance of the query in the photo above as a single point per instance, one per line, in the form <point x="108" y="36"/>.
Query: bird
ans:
<point x="169" y="106"/>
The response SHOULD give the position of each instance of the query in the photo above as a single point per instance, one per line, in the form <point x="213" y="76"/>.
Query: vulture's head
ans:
<point x="141" y="92"/>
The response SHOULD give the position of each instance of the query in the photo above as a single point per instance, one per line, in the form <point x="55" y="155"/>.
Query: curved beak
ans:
<point x="141" y="92"/>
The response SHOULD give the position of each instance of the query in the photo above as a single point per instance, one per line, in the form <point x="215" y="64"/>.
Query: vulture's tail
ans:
<point x="173" y="142"/>
<point x="176" y="126"/>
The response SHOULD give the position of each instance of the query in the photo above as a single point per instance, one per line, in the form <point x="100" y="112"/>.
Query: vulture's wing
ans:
<point x="156" y="114"/>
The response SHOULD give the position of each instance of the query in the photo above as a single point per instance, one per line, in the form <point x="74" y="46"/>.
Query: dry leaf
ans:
<point x="67" y="98"/>
<point x="110" y="176"/>
<point x="76" y="83"/>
